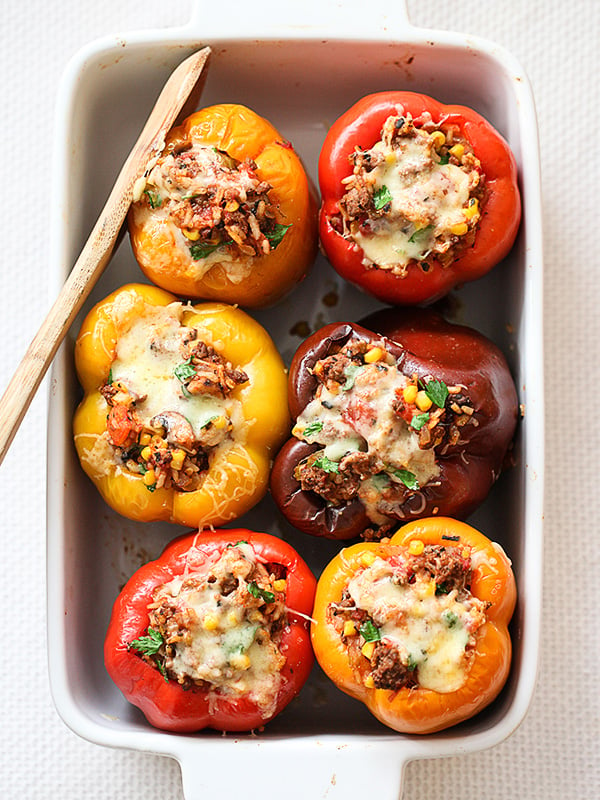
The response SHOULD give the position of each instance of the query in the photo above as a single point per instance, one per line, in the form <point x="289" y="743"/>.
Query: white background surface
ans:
<point x="555" y="753"/>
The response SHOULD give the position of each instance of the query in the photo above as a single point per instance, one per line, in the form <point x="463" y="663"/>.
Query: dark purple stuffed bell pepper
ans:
<point x="401" y="417"/>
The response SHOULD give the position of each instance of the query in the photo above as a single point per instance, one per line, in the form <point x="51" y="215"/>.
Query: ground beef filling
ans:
<point x="218" y="203"/>
<point x="415" y="197"/>
<point x="166" y="449"/>
<point x="421" y="623"/>
<point x="380" y="432"/>
<point x="219" y="629"/>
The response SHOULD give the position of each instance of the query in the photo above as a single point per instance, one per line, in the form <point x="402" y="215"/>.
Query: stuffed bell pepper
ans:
<point x="401" y="417"/>
<point x="183" y="407"/>
<point x="227" y="212"/>
<point x="213" y="634"/>
<point x="416" y="628"/>
<point x="417" y="197"/>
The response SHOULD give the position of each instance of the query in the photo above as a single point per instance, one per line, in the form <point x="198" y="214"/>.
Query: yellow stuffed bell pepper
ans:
<point x="227" y="212"/>
<point x="183" y="407"/>
<point x="416" y="628"/>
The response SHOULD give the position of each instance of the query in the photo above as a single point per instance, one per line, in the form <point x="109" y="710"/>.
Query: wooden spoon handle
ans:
<point x="97" y="250"/>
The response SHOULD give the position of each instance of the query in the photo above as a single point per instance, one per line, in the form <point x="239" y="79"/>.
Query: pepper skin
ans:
<point x="166" y="704"/>
<point x="237" y="476"/>
<point x="162" y="250"/>
<point x="360" y="127"/>
<point x="423" y="343"/>
<point x="417" y="710"/>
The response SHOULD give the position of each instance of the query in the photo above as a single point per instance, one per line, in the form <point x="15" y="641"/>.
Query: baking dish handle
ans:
<point x="268" y="18"/>
<point x="321" y="770"/>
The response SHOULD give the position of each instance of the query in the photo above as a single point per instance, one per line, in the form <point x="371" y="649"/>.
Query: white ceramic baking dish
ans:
<point x="300" y="70"/>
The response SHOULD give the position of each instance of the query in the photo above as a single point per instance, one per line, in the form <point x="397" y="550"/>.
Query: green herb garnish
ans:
<point x="437" y="392"/>
<point x="312" y="428"/>
<point x="148" y="645"/>
<point x="381" y="197"/>
<point x="350" y="372"/>
<point x="445" y="158"/>
<point x="419" y="233"/>
<point x="419" y="420"/>
<point x="369" y="631"/>
<point x="408" y="478"/>
<point x="276" y="235"/>
<point x="411" y="662"/>
<point x="450" y="618"/>
<point x="154" y="198"/>
<point x="185" y="371"/>
<point x="261" y="594"/>
<point x="326" y="464"/>
<point x="200" y="250"/>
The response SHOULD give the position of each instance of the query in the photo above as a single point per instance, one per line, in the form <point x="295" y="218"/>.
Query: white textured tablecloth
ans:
<point x="555" y="753"/>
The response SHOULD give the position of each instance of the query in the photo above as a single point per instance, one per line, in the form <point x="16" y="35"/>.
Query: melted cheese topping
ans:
<point x="147" y="356"/>
<point x="431" y="631"/>
<point x="428" y="201"/>
<point x="362" y="418"/>
<point x="222" y="643"/>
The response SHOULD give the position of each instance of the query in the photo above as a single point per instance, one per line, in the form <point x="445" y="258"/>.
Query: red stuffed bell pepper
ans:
<point x="404" y="416"/>
<point x="213" y="634"/>
<point x="418" y="197"/>
<point x="417" y="628"/>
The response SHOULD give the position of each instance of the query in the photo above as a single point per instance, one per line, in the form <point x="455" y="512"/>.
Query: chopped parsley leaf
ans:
<point x="261" y="594"/>
<point x="200" y="250"/>
<point x="312" y="428"/>
<point x="148" y="645"/>
<point x="184" y="371"/>
<point x="419" y="420"/>
<point x="153" y="198"/>
<point x="437" y="392"/>
<point x="408" y="478"/>
<point x="419" y="233"/>
<point x="350" y="372"/>
<point x="369" y="631"/>
<point x="277" y="234"/>
<point x="326" y="464"/>
<point x="381" y="197"/>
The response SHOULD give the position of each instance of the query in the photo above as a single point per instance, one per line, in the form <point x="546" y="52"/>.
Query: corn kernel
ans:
<point x="459" y="229"/>
<point x="373" y="355"/>
<point x="369" y="682"/>
<point x="220" y="422"/>
<point x="416" y="547"/>
<point x="145" y="439"/>
<point x="457" y="150"/>
<point x="146" y="453"/>
<point x="349" y="628"/>
<point x="232" y="205"/>
<point x="193" y="236"/>
<point x="367" y="559"/>
<point x="239" y="661"/>
<point x="367" y="649"/>
<point x="149" y="477"/>
<point x="438" y="139"/>
<point x="297" y="431"/>
<point x="232" y="618"/>
<point x="410" y="393"/>
<point x="472" y="209"/>
<point x="423" y="401"/>
<point x="466" y="553"/>
<point x="210" y="622"/>
<point x="280" y="585"/>
<point x="391" y="158"/>
<point x="426" y="589"/>
<point x="177" y="459"/>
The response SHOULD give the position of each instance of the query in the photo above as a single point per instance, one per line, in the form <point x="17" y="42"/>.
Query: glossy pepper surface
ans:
<point x="465" y="434"/>
<point x="172" y="706"/>
<point x="196" y="232"/>
<point x="120" y="455"/>
<point x="491" y="219"/>
<point x="412" y="708"/>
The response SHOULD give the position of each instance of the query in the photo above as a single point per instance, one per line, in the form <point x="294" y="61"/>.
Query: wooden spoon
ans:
<point x="97" y="250"/>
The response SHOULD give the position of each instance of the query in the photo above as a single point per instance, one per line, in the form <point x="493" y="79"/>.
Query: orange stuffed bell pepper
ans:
<point x="227" y="212"/>
<point x="417" y="628"/>
<point x="183" y="407"/>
